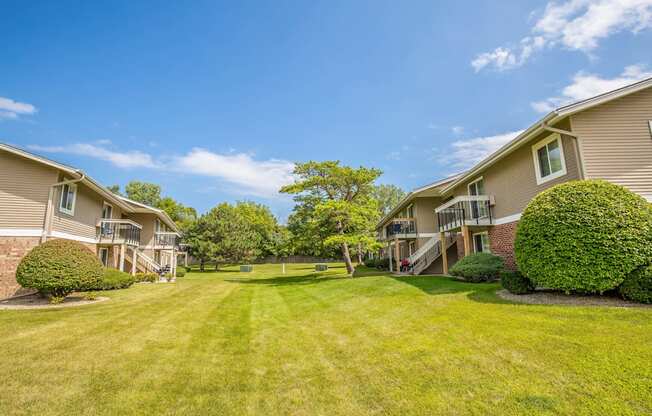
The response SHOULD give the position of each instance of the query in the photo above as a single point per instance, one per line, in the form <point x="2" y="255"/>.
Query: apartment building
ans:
<point x="41" y="199"/>
<point x="604" y="137"/>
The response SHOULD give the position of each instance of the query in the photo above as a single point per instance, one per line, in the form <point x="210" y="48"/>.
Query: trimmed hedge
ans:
<point x="515" y="282"/>
<point x="478" y="267"/>
<point x="146" y="277"/>
<point x="58" y="267"/>
<point x="638" y="285"/>
<point x="583" y="236"/>
<point x="114" y="279"/>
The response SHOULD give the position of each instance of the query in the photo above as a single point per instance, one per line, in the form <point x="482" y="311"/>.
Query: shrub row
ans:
<point x="113" y="279"/>
<point x="380" y="264"/>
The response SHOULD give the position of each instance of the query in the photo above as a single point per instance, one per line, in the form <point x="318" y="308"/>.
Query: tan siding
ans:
<point x="616" y="144"/>
<point x="512" y="180"/>
<point x="148" y="223"/>
<point x="24" y="188"/>
<point x="425" y="214"/>
<point x="88" y="211"/>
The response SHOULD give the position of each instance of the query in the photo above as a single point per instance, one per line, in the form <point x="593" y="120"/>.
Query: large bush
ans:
<point x="59" y="267"/>
<point x="638" y="285"/>
<point x="515" y="282"/>
<point x="583" y="236"/>
<point x="113" y="279"/>
<point x="478" y="267"/>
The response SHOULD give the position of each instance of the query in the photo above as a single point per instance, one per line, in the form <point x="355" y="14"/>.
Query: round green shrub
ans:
<point x="478" y="267"/>
<point x="515" y="282"/>
<point x="180" y="273"/>
<point x="113" y="279"/>
<point x="583" y="236"/>
<point x="638" y="285"/>
<point x="59" y="267"/>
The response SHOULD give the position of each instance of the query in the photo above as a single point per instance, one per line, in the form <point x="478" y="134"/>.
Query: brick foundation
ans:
<point x="12" y="250"/>
<point x="501" y="239"/>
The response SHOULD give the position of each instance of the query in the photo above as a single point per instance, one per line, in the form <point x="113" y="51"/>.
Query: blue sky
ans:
<point x="215" y="101"/>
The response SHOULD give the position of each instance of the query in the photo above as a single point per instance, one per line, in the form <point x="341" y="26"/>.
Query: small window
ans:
<point x="104" y="256"/>
<point x="549" y="160"/>
<point x="481" y="243"/>
<point x="68" y="196"/>
<point x="410" y="211"/>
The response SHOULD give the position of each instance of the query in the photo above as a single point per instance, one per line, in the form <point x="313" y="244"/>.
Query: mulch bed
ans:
<point x="38" y="302"/>
<point x="544" y="297"/>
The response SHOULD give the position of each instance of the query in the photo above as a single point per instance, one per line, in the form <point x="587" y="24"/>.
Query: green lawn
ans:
<point x="227" y="343"/>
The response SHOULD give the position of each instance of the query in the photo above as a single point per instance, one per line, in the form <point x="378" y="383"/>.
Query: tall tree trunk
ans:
<point x="347" y="259"/>
<point x="359" y="254"/>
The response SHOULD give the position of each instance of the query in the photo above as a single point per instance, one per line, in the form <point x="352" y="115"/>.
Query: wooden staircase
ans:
<point x="429" y="252"/>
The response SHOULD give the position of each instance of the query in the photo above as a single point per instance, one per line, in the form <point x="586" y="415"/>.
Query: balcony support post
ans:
<point x="444" y="254"/>
<point x="397" y="252"/>
<point x="133" y="261"/>
<point x="391" y="260"/>
<point x="466" y="235"/>
<point x="122" y="257"/>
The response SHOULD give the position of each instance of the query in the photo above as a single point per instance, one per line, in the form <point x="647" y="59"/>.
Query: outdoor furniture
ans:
<point x="321" y="267"/>
<point x="246" y="268"/>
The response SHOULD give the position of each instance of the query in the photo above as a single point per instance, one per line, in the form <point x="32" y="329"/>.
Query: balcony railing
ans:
<point x="166" y="239"/>
<point x="401" y="227"/>
<point x="118" y="231"/>
<point x="465" y="210"/>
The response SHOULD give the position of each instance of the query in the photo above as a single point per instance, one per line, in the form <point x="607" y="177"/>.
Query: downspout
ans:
<point x="576" y="147"/>
<point x="47" y="221"/>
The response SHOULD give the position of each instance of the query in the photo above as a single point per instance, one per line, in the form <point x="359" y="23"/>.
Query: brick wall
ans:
<point x="501" y="239"/>
<point x="12" y="250"/>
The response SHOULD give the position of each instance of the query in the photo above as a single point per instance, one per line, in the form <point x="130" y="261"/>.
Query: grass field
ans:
<point x="230" y="343"/>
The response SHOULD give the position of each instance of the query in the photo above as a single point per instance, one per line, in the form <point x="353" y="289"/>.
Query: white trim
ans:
<point x="119" y="221"/>
<point x="649" y="123"/>
<point x="110" y="205"/>
<point x="71" y="188"/>
<point x="468" y="186"/>
<point x="21" y="232"/>
<point x="462" y="198"/>
<point x="475" y="249"/>
<point x="59" y="234"/>
<point x="535" y="156"/>
<point x="427" y="234"/>
<point x="508" y="219"/>
<point x="99" y="255"/>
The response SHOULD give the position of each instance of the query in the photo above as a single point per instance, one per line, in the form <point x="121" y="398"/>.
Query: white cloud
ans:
<point x="130" y="159"/>
<point x="589" y="85"/>
<point x="259" y="178"/>
<point x="457" y="130"/>
<point x="10" y="109"/>
<point x="247" y="175"/>
<point x="575" y="25"/>
<point x="466" y="153"/>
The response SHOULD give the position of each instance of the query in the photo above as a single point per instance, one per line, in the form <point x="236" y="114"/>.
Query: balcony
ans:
<point x="166" y="240"/>
<point x="401" y="228"/>
<point x="469" y="210"/>
<point x="118" y="231"/>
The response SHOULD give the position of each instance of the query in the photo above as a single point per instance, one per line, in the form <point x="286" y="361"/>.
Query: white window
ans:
<point x="104" y="256"/>
<point x="107" y="211"/>
<point x="68" y="196"/>
<point x="549" y="162"/>
<point x="481" y="242"/>
<point x="478" y="209"/>
<point x="410" y="211"/>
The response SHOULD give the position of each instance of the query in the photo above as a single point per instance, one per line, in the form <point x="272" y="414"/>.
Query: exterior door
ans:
<point x="478" y="208"/>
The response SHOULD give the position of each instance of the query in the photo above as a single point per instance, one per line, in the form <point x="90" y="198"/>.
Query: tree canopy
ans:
<point x="388" y="196"/>
<point x="144" y="192"/>
<point x="340" y="201"/>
